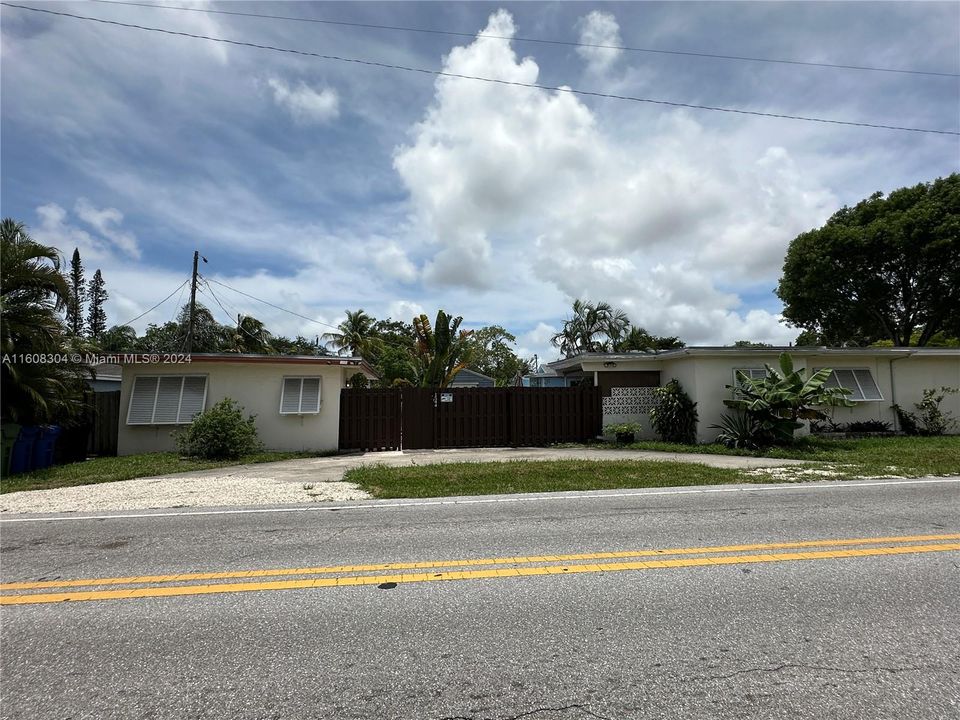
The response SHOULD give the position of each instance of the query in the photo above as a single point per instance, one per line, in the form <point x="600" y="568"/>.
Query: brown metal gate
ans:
<point x="415" y="418"/>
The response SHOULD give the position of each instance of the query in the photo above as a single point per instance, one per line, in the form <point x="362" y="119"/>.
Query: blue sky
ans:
<point x="322" y="186"/>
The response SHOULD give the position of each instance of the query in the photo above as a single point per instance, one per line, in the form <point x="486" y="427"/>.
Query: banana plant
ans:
<point x="778" y="401"/>
<point x="442" y="351"/>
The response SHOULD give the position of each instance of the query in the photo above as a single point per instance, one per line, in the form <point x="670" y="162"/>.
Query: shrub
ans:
<point x="220" y="433"/>
<point x="358" y="380"/>
<point x="625" y="432"/>
<point x="742" y="431"/>
<point x="674" y="417"/>
<point x="868" y="426"/>
<point x="930" y="420"/>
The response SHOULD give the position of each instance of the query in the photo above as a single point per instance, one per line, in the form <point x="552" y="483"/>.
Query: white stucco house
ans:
<point x="877" y="377"/>
<point x="296" y="399"/>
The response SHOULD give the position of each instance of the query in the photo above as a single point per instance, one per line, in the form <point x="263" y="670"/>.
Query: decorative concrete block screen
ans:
<point x="629" y="401"/>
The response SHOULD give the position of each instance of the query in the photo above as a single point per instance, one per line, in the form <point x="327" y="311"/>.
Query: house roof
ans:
<point x="243" y="358"/>
<point x="721" y="351"/>
<point x="474" y="373"/>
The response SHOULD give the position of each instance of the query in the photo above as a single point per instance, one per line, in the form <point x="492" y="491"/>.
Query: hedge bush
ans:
<point x="220" y="433"/>
<point x="674" y="417"/>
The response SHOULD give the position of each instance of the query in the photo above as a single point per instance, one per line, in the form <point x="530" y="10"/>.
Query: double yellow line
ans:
<point x="520" y="566"/>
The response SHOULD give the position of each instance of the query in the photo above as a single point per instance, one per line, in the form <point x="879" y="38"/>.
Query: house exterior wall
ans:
<point x="257" y="388"/>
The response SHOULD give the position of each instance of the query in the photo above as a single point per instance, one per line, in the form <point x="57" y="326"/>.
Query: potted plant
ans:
<point x="625" y="432"/>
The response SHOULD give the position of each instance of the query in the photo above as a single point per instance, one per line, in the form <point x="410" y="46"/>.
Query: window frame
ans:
<point x="748" y="371"/>
<point x="156" y="396"/>
<point x="301" y="378"/>
<point x="859" y="387"/>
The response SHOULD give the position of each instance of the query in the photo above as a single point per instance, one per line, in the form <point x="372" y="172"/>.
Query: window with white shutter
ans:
<point x="300" y="396"/>
<point x="166" y="399"/>
<point x="754" y="373"/>
<point x="859" y="381"/>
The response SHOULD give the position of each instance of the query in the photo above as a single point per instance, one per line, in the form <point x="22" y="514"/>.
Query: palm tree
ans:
<point x="592" y="328"/>
<point x="442" y="352"/>
<point x="250" y="336"/>
<point x="356" y="335"/>
<point x="118" y="338"/>
<point x="32" y="293"/>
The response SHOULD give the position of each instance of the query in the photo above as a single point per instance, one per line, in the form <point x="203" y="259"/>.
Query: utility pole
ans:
<point x="193" y="303"/>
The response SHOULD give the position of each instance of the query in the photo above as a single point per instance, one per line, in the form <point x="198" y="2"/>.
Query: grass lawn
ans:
<point x="829" y="459"/>
<point x="905" y="456"/>
<point x="110" y="469"/>
<point x="529" y="476"/>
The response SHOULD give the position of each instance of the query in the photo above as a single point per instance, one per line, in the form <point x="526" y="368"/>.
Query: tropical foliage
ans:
<point x="930" y="418"/>
<point x="33" y="292"/>
<point x="600" y="327"/>
<point x="674" y="416"/>
<point x="355" y="334"/>
<point x="775" y="404"/>
<point x="442" y="351"/>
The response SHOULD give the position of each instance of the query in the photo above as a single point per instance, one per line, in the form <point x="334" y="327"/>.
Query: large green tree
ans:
<point x="97" y="316"/>
<point x="492" y="354"/>
<point x="885" y="269"/>
<point x="33" y="292"/>
<point x="78" y="285"/>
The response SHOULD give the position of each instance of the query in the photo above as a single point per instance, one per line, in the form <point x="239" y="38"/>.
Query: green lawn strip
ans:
<point x="860" y="457"/>
<point x="111" y="469"/>
<point x="531" y="476"/>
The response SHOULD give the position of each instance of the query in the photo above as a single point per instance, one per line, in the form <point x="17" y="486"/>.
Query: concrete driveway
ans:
<point x="307" y="480"/>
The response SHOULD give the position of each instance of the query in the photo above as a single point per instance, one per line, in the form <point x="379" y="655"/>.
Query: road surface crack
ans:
<point x="803" y="666"/>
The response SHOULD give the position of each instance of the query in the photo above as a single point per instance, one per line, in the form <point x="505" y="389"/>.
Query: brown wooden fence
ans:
<point x="414" y="418"/>
<point x="369" y="419"/>
<point x="105" y="423"/>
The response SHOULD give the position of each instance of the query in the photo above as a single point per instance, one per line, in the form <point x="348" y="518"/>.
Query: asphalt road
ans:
<point x="860" y="629"/>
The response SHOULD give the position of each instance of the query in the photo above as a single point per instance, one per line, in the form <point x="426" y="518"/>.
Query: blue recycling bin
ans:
<point x="21" y="457"/>
<point x="43" y="446"/>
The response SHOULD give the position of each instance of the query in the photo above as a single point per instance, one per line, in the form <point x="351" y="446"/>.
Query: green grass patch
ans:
<point x="531" y="476"/>
<point x="111" y="469"/>
<point x="857" y="457"/>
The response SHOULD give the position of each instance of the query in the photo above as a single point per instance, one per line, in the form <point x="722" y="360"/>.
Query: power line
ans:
<point x="158" y="304"/>
<point x="276" y="307"/>
<point x="239" y="324"/>
<point x="568" y="43"/>
<point x="513" y="83"/>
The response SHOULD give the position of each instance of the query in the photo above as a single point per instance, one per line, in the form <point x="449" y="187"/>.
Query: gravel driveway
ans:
<point x="305" y="480"/>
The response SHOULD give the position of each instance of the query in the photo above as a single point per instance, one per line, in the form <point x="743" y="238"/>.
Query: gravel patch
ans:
<point x="230" y="490"/>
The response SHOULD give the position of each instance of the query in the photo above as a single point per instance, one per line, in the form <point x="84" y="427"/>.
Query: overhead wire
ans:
<point x="545" y="41"/>
<point x="511" y="83"/>
<point x="147" y="312"/>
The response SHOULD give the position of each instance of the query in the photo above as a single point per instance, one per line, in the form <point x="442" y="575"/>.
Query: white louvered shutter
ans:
<point x="310" y="397"/>
<point x="290" y="398"/>
<point x="868" y="385"/>
<point x="168" y="399"/>
<point x="141" y="400"/>
<point x="191" y="402"/>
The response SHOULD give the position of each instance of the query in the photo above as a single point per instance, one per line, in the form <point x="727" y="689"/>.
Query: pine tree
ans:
<point x="77" y="287"/>
<point x="97" y="316"/>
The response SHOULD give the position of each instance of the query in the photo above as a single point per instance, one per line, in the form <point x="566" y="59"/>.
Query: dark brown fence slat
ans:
<point x="414" y="418"/>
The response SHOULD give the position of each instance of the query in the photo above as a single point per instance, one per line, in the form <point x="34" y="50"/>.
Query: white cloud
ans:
<point x="599" y="28"/>
<point x="404" y="310"/>
<point x="105" y="222"/>
<point x="653" y="221"/>
<point x="391" y="260"/>
<point x="305" y="104"/>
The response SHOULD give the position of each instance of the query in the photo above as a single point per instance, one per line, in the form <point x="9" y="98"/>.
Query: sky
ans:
<point x="322" y="186"/>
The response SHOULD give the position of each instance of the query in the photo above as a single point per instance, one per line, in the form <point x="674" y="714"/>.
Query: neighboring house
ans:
<point x="471" y="378"/>
<point x="878" y="377"/>
<point x="296" y="399"/>
<point x="106" y="378"/>
<point x="545" y="376"/>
